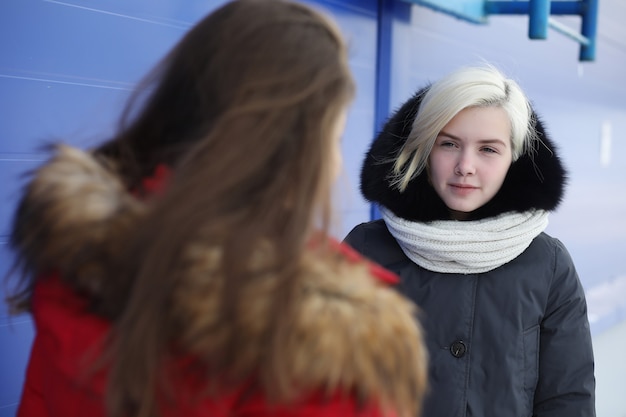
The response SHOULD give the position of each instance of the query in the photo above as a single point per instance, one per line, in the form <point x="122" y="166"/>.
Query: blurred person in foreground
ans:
<point x="185" y="268"/>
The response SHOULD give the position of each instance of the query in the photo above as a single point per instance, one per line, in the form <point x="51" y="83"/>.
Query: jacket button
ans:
<point x="458" y="349"/>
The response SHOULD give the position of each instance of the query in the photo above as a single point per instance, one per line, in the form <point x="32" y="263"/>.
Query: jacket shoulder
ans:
<point x="73" y="217"/>
<point x="373" y="240"/>
<point x="551" y="250"/>
<point x="376" y="270"/>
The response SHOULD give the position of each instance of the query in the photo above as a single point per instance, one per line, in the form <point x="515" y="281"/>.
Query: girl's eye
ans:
<point x="446" y="144"/>
<point x="489" y="150"/>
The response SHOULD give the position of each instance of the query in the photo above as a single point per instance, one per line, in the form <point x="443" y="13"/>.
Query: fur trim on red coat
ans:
<point x="350" y="331"/>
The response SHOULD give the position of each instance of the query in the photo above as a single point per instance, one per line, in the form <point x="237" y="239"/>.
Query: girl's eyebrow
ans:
<point x="482" y="141"/>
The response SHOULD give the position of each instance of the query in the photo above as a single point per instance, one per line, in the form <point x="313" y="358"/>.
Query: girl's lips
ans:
<point x="463" y="186"/>
<point x="462" y="189"/>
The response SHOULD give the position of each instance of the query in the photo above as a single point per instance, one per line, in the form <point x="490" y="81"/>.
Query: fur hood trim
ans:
<point x="349" y="331"/>
<point x="535" y="181"/>
<point x="72" y="218"/>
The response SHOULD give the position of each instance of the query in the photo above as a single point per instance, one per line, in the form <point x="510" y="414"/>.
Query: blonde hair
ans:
<point x="483" y="86"/>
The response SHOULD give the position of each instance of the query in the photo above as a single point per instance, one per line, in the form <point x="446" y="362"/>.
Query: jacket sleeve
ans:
<point x="566" y="386"/>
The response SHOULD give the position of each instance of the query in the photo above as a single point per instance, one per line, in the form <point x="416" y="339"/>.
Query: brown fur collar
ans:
<point x="72" y="219"/>
<point x="349" y="331"/>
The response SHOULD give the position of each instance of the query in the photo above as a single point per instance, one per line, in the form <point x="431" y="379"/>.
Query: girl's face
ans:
<point x="470" y="159"/>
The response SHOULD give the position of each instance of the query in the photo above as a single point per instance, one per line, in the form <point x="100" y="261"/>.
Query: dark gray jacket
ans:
<point x="512" y="342"/>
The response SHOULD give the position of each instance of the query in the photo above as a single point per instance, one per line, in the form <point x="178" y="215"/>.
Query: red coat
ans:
<point x="67" y="337"/>
<point x="350" y="331"/>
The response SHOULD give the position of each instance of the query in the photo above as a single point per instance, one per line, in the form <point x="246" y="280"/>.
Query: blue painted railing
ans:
<point x="538" y="11"/>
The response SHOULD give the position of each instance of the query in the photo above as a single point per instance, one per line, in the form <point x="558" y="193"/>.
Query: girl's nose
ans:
<point x="465" y="165"/>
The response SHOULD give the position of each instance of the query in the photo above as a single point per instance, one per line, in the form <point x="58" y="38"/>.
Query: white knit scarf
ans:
<point x="466" y="247"/>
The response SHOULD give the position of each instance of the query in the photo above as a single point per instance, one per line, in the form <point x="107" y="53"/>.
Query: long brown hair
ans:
<point x="276" y="75"/>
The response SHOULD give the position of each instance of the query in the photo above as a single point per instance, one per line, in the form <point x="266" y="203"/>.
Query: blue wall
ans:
<point x="66" y="68"/>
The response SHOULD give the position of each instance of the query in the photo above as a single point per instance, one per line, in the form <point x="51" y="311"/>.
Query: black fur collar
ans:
<point x="533" y="182"/>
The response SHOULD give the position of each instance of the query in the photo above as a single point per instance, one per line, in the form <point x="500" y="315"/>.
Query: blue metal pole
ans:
<point x="565" y="30"/>
<point x="506" y="7"/>
<point x="567" y="7"/>
<point x="536" y="10"/>
<point x="538" y="13"/>
<point x="589" y="28"/>
<point x="383" y="73"/>
<point x="522" y="7"/>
